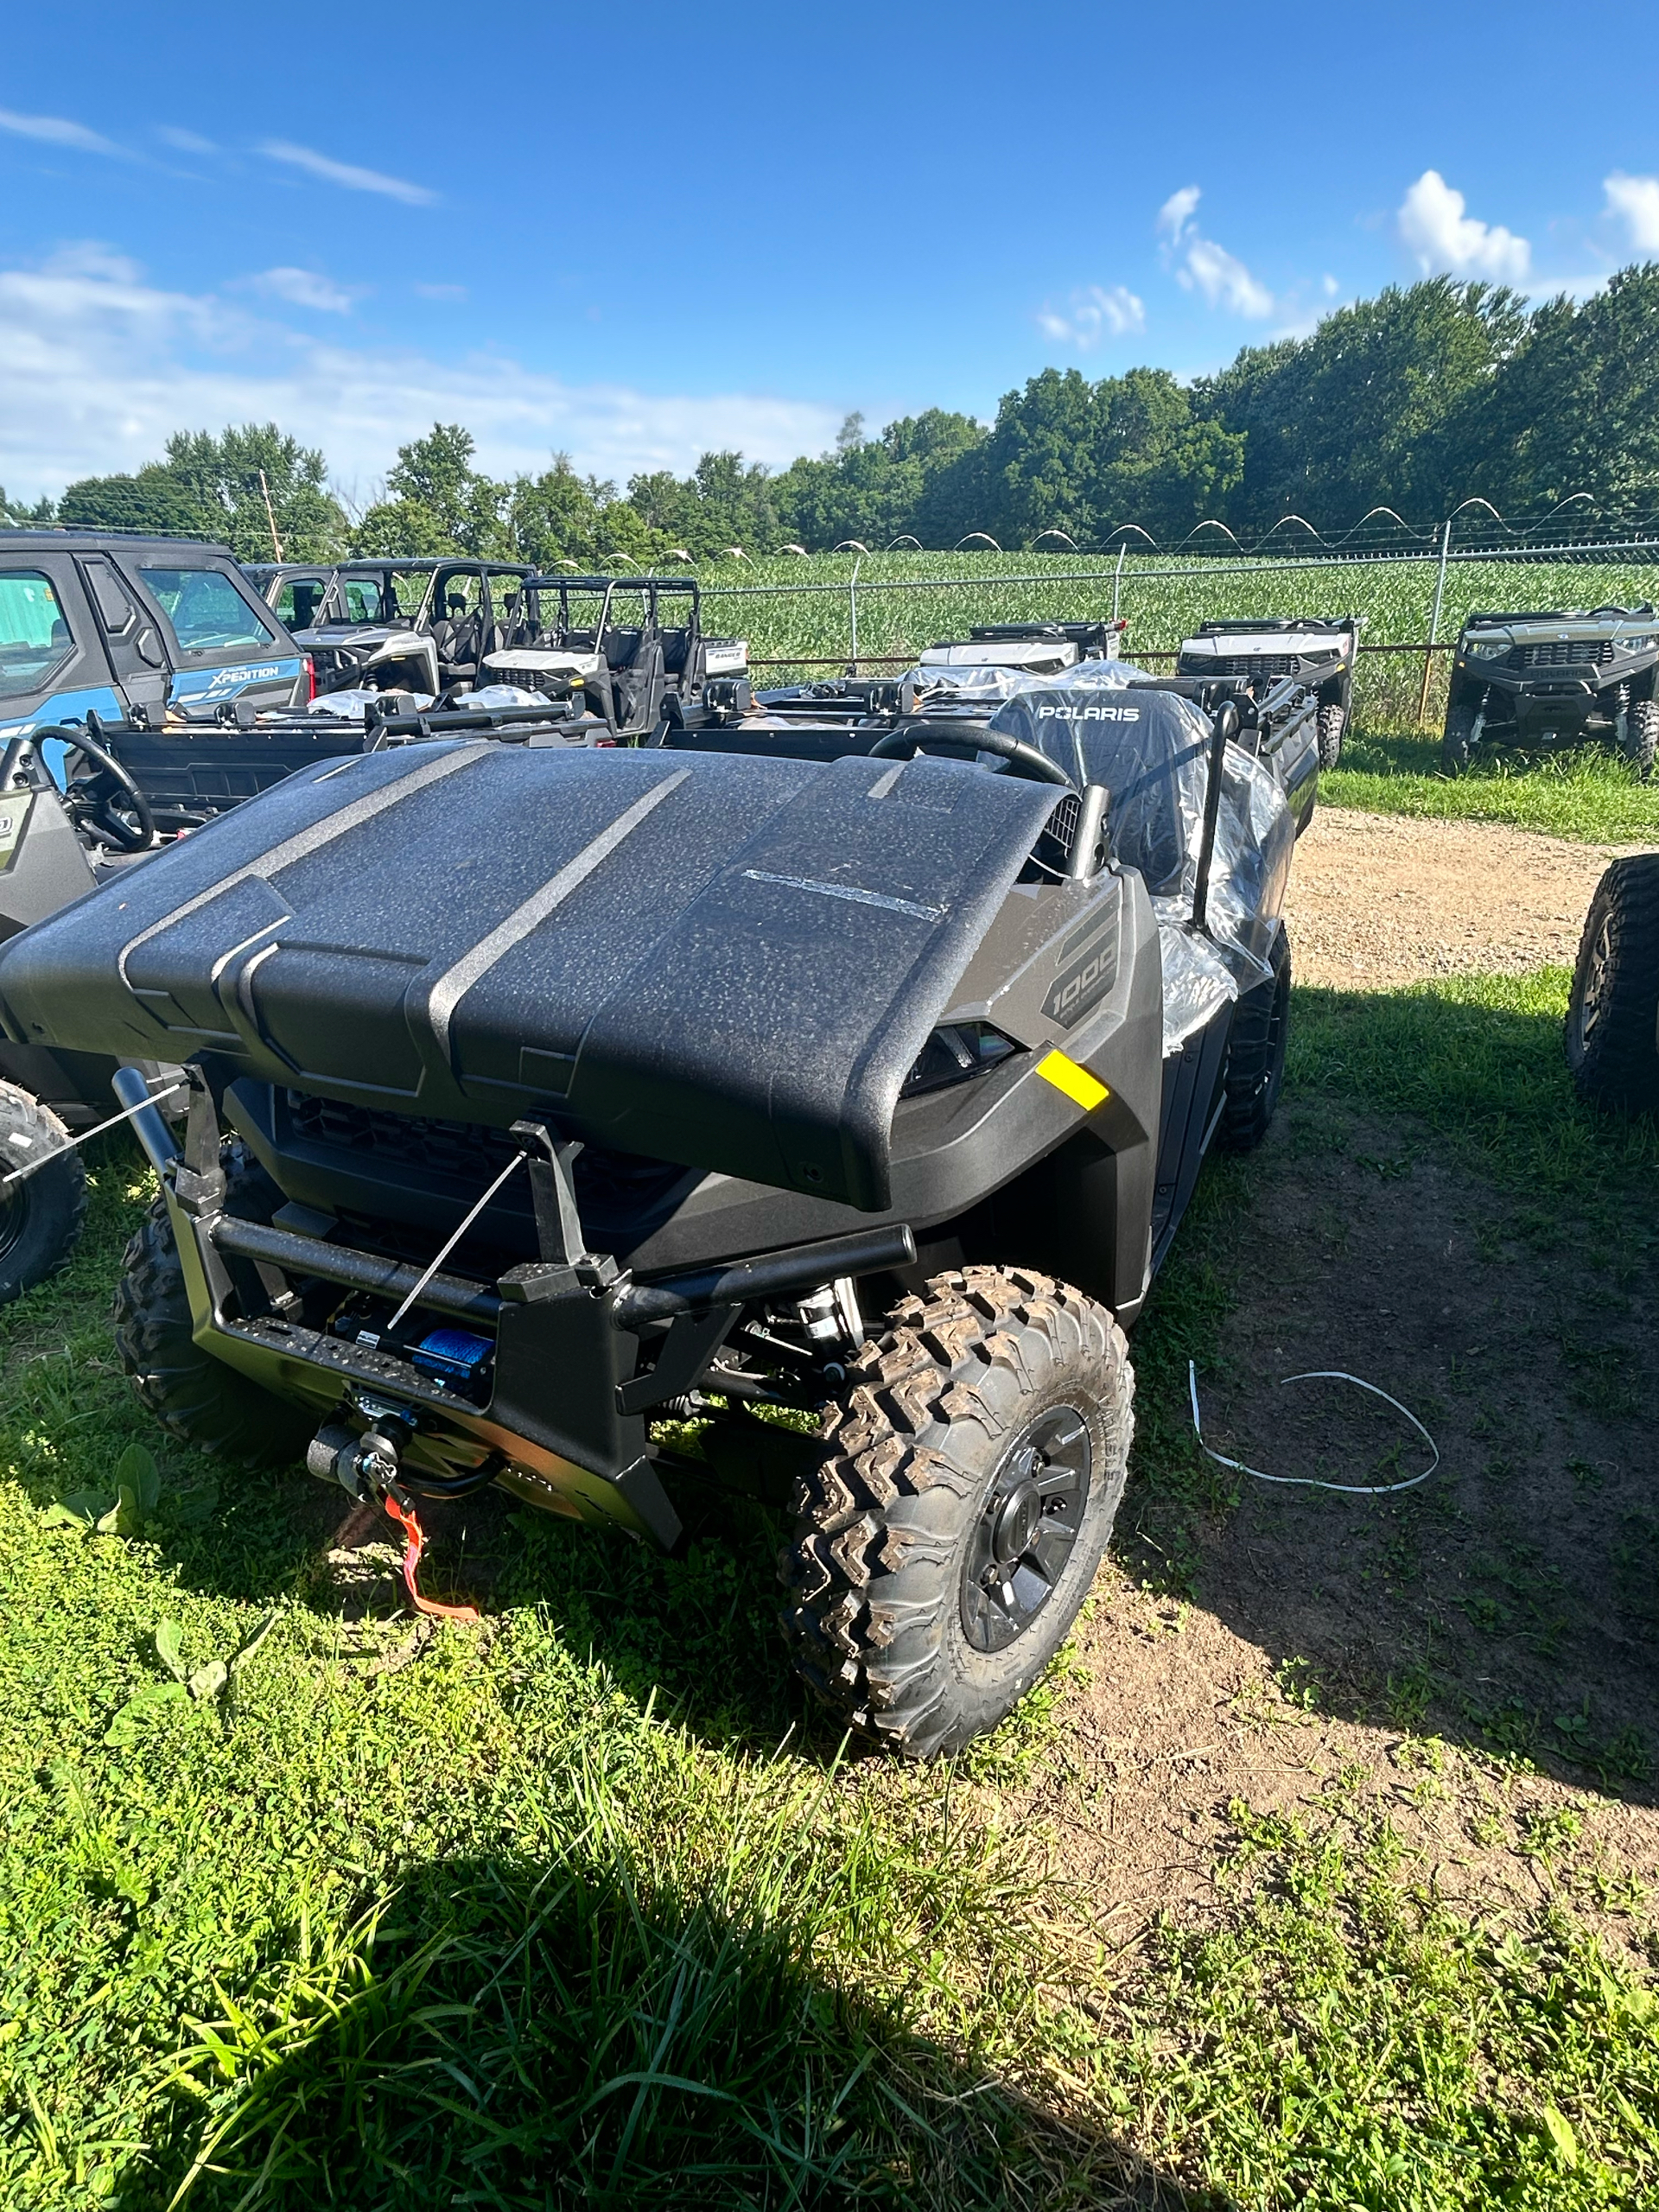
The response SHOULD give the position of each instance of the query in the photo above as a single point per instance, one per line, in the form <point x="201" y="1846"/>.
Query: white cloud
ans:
<point x="98" y="367"/>
<point x="56" y="130"/>
<point x="1635" y="200"/>
<point x="302" y="288"/>
<point x="1443" y="237"/>
<point x="1201" y="266"/>
<point x="344" y="173"/>
<point x="1223" y="279"/>
<point x="1093" y="314"/>
<point x="184" y="142"/>
<point x="1329" y="286"/>
<point x="1177" y="211"/>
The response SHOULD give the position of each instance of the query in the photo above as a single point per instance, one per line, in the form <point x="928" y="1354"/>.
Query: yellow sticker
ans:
<point x="1077" y="1083"/>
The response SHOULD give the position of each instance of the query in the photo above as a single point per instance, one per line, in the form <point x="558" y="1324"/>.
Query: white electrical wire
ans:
<point x="1309" y="1482"/>
<point x="414" y="1294"/>
<point x="58" y="1152"/>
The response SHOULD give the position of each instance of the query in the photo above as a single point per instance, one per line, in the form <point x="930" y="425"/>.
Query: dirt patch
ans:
<point x="1380" y="899"/>
<point x="1472" y="1656"/>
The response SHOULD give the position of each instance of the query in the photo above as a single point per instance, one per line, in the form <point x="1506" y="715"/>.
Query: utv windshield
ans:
<point x="35" y="640"/>
<point x="207" y="613"/>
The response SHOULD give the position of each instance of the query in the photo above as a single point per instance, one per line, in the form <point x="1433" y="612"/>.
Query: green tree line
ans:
<point x="1427" y="395"/>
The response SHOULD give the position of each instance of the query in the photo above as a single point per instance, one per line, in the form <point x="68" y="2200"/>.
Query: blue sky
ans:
<point x="636" y="233"/>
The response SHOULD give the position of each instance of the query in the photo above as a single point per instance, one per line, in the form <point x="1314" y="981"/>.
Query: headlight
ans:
<point x="1485" y="648"/>
<point x="954" y="1054"/>
<point x="1632" y="645"/>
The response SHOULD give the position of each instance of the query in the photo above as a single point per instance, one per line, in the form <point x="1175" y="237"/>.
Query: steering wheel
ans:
<point x="93" y="801"/>
<point x="1022" y="758"/>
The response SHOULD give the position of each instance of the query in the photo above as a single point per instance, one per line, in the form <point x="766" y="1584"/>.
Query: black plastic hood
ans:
<point x="723" y="961"/>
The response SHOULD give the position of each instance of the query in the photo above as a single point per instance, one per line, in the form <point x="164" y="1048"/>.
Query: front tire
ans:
<point x="1457" y="742"/>
<point x="1255" y="1056"/>
<point x="1612" y="1013"/>
<point x="195" y="1396"/>
<point x="1332" y="723"/>
<point x="41" y="1216"/>
<point x="1642" y="736"/>
<point x="977" y="1455"/>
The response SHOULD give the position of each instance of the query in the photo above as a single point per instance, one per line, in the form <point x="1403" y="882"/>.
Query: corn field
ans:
<point x="888" y="606"/>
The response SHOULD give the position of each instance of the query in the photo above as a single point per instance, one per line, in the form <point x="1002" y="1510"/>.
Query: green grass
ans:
<point x="1478" y="1059"/>
<point x="1585" y="791"/>
<point x="592" y="1910"/>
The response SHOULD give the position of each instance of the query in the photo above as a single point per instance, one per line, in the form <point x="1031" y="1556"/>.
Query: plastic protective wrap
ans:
<point x="1151" y="750"/>
<point x="352" y="705"/>
<point x="491" y="698"/>
<point x="966" y="685"/>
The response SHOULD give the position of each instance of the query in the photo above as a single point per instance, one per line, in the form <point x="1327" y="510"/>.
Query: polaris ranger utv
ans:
<point x="419" y="626"/>
<point x="1319" y="656"/>
<point x="540" y="1093"/>
<point x="633" y="649"/>
<point x="1528" y="678"/>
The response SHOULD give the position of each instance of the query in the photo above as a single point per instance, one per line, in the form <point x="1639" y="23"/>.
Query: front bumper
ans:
<point x="1533" y="694"/>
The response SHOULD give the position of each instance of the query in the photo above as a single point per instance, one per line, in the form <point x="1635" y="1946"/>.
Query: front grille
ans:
<point x="1256" y="665"/>
<point x="1565" y="652"/>
<point x="613" y="1189"/>
<point x="457" y="1148"/>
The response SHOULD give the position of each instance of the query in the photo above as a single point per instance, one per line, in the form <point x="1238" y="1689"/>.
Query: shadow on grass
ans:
<point x="592" y="2032"/>
<point x="1434" y="1212"/>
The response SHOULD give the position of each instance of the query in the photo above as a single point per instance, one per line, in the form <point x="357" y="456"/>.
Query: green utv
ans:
<point x="1548" y="679"/>
<point x="544" y="1094"/>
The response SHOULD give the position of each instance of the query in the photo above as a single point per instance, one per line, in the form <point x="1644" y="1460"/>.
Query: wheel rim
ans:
<point x="1027" y="1530"/>
<point x="1592" y="1002"/>
<point x="14" y="1216"/>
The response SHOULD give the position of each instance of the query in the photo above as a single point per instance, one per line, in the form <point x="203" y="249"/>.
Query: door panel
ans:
<point x="227" y="644"/>
<point x="53" y="666"/>
<point x="132" y="638"/>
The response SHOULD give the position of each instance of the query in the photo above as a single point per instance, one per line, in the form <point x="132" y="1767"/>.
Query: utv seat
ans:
<point x="460" y="642"/>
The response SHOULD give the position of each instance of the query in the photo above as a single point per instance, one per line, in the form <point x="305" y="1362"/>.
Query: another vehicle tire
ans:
<point x="1255" y="1057"/>
<point x="1612" y="1013"/>
<point x="42" y="1216"/>
<point x="1457" y="742"/>
<point x="1642" y="736"/>
<point x="1332" y="723"/>
<point x="977" y="1455"/>
<point x="195" y="1397"/>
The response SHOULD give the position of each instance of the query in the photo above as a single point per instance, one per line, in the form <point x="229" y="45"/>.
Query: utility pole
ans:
<point x="276" y="542"/>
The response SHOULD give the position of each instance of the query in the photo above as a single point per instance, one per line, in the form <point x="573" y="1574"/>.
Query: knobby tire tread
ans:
<point x="195" y="1396"/>
<point x="922" y="1417"/>
<point x="57" y="1213"/>
<point x="1619" y="1065"/>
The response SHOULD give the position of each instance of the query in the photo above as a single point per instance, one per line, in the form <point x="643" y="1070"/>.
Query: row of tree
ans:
<point x="1427" y="395"/>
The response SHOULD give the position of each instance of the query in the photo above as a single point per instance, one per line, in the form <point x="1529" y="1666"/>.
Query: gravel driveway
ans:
<point x="1380" y="899"/>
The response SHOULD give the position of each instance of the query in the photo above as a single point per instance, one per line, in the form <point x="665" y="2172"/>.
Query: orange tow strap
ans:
<point x="411" y="1525"/>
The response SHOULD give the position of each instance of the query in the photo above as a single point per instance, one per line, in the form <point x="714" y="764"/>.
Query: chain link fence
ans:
<point x="871" y="611"/>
